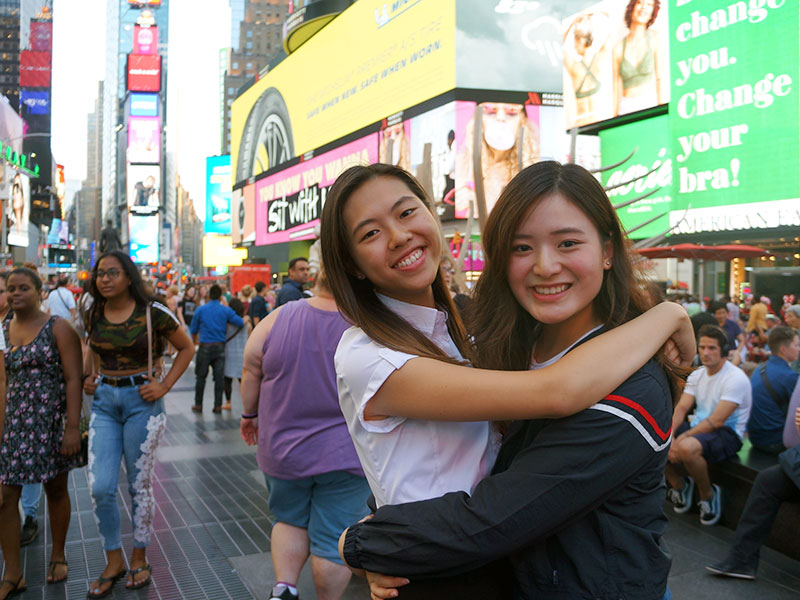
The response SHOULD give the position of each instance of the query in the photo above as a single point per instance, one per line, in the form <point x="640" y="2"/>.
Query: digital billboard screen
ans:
<point x="59" y="232"/>
<point x="144" y="73"/>
<point x="510" y="138"/>
<point x="144" y="140"/>
<point x="616" y="60"/>
<point x="143" y="104"/>
<point x="145" y="40"/>
<point x="649" y="141"/>
<point x="41" y="35"/>
<point x="389" y="65"/>
<point x="243" y="209"/>
<point x="506" y="45"/>
<point x="35" y="102"/>
<point x="143" y="235"/>
<point x="144" y="189"/>
<point x="34" y="69"/>
<point x="735" y="136"/>
<point x="218" y="251"/>
<point x="19" y="210"/>
<point x="218" y="195"/>
<point x="289" y="203"/>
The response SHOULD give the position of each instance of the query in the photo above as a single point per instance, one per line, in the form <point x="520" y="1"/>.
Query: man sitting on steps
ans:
<point x="721" y="393"/>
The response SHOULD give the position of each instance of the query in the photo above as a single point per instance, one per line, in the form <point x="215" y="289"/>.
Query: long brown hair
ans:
<point x="504" y="333"/>
<point x="356" y="297"/>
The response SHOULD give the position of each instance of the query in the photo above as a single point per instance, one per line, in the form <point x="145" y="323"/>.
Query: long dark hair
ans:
<point x="503" y="331"/>
<point x="356" y="297"/>
<point x="136" y="287"/>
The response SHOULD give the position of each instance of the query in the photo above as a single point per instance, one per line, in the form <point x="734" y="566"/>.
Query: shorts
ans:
<point x="718" y="445"/>
<point x="325" y="505"/>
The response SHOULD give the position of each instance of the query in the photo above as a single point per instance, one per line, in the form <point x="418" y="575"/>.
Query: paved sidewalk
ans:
<point x="212" y="526"/>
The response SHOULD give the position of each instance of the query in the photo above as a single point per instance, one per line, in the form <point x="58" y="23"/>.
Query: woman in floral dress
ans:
<point x="38" y="421"/>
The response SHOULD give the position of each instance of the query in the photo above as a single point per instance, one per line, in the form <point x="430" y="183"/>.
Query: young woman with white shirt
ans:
<point x="402" y="371"/>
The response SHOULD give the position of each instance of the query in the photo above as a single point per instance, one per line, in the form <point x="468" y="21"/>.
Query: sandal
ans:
<point x="135" y="585"/>
<point x="51" y="571"/>
<point x="15" y="589"/>
<point x="102" y="580"/>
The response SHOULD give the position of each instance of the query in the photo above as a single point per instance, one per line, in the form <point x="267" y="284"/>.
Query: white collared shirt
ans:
<point x="406" y="460"/>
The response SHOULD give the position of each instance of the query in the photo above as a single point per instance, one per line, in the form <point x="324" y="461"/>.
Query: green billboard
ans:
<point x="649" y="170"/>
<point x="733" y="114"/>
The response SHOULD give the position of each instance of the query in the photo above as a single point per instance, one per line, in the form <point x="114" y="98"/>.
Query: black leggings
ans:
<point x="229" y="388"/>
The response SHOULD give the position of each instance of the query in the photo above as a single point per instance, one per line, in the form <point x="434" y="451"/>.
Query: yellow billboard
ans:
<point x="373" y="60"/>
<point x="218" y="251"/>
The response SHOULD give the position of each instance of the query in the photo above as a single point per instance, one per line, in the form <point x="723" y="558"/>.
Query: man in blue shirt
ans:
<point x="773" y="383"/>
<point x="208" y="327"/>
<point x="792" y="317"/>
<point x="292" y="288"/>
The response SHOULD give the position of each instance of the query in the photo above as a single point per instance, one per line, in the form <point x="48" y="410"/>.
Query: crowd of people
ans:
<point x="491" y="463"/>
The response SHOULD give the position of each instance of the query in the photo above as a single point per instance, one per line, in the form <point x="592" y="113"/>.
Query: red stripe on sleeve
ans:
<point x="638" y="408"/>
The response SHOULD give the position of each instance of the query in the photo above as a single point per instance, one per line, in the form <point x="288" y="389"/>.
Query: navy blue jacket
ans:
<point x="290" y="290"/>
<point x="575" y="503"/>
<point x="765" y="425"/>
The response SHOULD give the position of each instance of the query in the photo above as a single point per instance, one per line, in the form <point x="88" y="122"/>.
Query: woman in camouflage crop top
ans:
<point x="127" y="412"/>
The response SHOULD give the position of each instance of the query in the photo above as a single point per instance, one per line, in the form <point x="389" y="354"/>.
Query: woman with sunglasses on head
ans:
<point x="38" y="421"/>
<point x="127" y="412"/>
<point x="401" y="369"/>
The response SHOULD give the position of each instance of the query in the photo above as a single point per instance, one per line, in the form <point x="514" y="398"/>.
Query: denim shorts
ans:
<point x="718" y="445"/>
<point x="325" y="505"/>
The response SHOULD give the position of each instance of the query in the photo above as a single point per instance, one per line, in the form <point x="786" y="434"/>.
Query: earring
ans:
<point x="608" y="263"/>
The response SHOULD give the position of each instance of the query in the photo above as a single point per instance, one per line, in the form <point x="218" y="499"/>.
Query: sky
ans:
<point x="196" y="37"/>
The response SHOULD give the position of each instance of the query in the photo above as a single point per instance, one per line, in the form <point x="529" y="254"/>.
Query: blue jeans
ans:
<point x="31" y="494"/>
<point x="123" y="424"/>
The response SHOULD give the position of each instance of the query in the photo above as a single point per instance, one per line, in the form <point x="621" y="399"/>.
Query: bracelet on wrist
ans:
<point x="249" y="416"/>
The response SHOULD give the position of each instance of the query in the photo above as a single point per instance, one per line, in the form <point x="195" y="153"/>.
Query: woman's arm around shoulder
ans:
<point x="430" y="389"/>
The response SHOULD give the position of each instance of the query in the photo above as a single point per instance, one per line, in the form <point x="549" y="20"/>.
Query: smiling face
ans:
<point x="394" y="240"/>
<point x="111" y="278"/>
<point x="22" y="293"/>
<point x="556" y="268"/>
<point x="643" y="11"/>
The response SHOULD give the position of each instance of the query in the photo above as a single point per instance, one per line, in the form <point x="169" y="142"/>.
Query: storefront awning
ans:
<point x="723" y="252"/>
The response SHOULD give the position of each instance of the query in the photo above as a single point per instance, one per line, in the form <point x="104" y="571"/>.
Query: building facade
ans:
<point x="257" y="41"/>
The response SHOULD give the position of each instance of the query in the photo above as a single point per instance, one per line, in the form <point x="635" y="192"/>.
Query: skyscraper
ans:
<point x="260" y="34"/>
<point x="9" y="51"/>
<point x="137" y="39"/>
